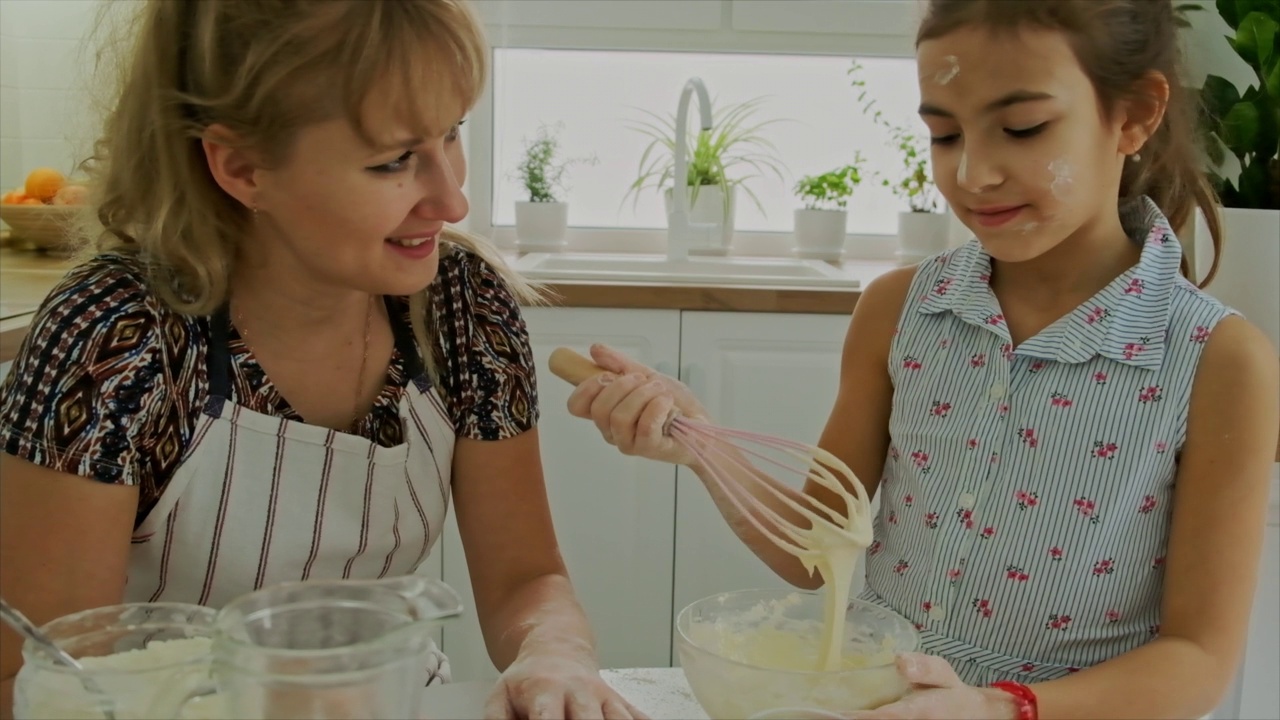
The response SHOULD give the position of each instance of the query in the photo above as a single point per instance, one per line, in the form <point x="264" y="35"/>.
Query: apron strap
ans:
<point x="415" y="369"/>
<point x="219" y="355"/>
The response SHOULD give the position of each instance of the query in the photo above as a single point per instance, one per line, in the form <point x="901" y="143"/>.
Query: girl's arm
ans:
<point x="1219" y="516"/>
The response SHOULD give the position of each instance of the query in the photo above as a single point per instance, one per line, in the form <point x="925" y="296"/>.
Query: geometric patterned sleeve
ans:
<point x="487" y="369"/>
<point x="89" y="393"/>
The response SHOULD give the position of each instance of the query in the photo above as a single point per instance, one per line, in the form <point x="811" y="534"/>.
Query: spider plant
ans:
<point x="731" y="153"/>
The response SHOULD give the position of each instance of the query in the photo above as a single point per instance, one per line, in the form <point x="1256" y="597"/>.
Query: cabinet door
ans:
<point x="769" y="373"/>
<point x="613" y="514"/>
<point x="1259" y="693"/>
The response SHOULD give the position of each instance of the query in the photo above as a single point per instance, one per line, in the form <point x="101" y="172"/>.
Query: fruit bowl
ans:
<point x="45" y="227"/>
<point x="750" y="651"/>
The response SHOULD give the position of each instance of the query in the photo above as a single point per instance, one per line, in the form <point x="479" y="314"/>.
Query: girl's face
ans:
<point x="1022" y="150"/>
<point x="361" y="217"/>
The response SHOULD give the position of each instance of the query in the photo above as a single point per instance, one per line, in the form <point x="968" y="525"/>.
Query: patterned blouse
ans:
<point x="109" y="382"/>
<point x="1026" y="501"/>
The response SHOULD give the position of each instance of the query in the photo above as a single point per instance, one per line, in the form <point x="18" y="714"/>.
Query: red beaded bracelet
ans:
<point x="1024" y="699"/>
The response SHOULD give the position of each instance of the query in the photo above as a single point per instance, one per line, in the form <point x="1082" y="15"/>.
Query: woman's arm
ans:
<point x="533" y="626"/>
<point x="522" y="590"/>
<point x="64" y="547"/>
<point x="1215" y="541"/>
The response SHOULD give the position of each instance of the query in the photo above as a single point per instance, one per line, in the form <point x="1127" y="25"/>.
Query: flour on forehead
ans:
<point x="949" y="73"/>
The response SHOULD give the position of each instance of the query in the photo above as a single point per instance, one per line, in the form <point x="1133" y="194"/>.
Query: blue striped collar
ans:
<point x="1127" y="321"/>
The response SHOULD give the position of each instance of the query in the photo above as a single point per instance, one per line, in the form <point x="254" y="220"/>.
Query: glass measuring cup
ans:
<point x="330" y="650"/>
<point x="170" y="680"/>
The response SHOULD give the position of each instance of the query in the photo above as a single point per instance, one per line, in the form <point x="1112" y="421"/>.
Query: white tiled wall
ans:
<point x="45" y="117"/>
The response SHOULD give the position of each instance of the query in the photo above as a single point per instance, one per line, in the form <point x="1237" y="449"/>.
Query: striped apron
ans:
<point x="260" y="500"/>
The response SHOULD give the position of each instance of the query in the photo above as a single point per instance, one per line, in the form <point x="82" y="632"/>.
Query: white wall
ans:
<point x="44" y="115"/>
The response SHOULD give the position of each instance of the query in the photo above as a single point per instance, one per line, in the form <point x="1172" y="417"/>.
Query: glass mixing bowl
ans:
<point x="750" y="651"/>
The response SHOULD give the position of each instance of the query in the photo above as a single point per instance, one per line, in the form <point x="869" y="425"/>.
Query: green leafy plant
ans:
<point x="1248" y="125"/>
<point x="541" y="171"/>
<point x="830" y="190"/>
<point x="730" y="154"/>
<point x="914" y="183"/>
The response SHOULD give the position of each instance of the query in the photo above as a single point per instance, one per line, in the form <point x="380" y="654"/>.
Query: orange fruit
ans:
<point x="30" y="201"/>
<point x="13" y="197"/>
<point x="44" y="183"/>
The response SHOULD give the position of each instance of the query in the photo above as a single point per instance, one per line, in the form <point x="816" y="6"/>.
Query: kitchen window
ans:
<point x="594" y="96"/>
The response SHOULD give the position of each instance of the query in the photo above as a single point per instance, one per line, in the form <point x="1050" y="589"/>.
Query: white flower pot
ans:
<point x="1248" y="276"/>
<point x="921" y="235"/>
<point x="820" y="234"/>
<point x="709" y="209"/>
<point x="540" y="226"/>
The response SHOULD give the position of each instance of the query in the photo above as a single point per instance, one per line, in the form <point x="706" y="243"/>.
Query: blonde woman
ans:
<point x="278" y="363"/>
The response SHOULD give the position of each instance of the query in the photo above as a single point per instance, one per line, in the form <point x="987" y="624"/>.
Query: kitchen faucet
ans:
<point x="681" y="233"/>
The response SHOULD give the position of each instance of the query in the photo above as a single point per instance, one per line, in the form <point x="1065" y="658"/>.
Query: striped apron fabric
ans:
<point x="260" y="500"/>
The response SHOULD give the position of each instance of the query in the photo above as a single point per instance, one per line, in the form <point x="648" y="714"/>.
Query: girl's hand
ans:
<point x="631" y="404"/>
<point x="940" y="694"/>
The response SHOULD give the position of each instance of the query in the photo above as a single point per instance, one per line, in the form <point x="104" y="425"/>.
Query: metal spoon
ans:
<point x="19" y="622"/>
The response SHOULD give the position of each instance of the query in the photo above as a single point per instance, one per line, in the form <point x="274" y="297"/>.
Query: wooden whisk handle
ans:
<point x="572" y="367"/>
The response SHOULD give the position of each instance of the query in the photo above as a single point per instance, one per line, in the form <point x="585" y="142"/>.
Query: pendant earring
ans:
<point x="1134" y="157"/>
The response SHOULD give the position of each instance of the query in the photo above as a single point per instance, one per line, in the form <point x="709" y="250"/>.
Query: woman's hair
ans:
<point x="1118" y="43"/>
<point x="263" y="69"/>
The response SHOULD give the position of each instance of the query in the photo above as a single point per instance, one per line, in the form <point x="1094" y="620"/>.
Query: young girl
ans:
<point x="1072" y="443"/>
<point x="280" y="364"/>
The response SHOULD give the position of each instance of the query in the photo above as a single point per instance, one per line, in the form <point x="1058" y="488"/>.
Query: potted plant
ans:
<point x="1246" y="126"/>
<point x="820" y="225"/>
<point x="541" y="221"/>
<point x="721" y="160"/>
<point x="922" y="227"/>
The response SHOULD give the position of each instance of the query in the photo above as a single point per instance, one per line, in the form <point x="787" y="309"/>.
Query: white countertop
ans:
<point x="660" y="693"/>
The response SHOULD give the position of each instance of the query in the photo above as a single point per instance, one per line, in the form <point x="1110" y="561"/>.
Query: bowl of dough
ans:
<point x="751" y="651"/>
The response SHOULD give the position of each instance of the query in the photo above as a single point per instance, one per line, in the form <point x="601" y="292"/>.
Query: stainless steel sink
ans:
<point x="628" y="267"/>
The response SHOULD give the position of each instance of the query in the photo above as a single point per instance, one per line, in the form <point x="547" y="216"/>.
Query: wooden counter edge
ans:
<point x="624" y="297"/>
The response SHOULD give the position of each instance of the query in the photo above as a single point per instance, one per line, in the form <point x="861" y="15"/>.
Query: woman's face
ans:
<point x="358" y="216"/>
<point x="1022" y="150"/>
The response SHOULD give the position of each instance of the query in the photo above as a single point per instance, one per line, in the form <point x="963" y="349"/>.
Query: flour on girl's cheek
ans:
<point x="1061" y="185"/>
<point x="946" y="75"/>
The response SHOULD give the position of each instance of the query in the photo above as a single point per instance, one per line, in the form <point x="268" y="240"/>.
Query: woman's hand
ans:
<point x="938" y="693"/>
<point x="631" y="404"/>
<point x="550" y="684"/>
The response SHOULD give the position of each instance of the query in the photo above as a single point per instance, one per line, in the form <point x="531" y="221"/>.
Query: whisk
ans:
<point x="727" y="456"/>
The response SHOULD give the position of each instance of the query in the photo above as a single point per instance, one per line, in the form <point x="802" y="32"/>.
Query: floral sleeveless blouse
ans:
<point x="1026" y="501"/>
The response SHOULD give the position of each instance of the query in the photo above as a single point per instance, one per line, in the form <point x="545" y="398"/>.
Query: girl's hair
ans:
<point x="264" y="69"/>
<point x="1118" y="43"/>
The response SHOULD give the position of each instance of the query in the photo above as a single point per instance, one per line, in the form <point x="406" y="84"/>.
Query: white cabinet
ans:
<point x="613" y="514"/>
<point x="1259" y="694"/>
<point x="770" y="373"/>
